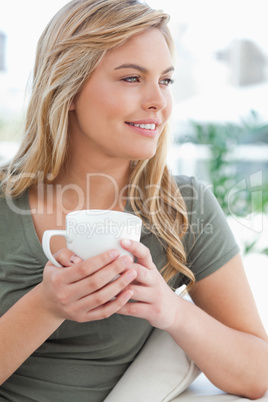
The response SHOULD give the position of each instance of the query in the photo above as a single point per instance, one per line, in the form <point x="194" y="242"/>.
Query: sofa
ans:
<point x="162" y="372"/>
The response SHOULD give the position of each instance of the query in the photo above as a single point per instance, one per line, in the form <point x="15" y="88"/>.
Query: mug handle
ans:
<point x="46" y="244"/>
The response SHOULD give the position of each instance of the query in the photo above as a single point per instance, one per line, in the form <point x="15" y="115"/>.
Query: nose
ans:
<point x="154" y="98"/>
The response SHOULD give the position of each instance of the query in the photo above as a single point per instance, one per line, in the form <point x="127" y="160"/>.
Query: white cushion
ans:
<point x="160" y="372"/>
<point x="202" y="390"/>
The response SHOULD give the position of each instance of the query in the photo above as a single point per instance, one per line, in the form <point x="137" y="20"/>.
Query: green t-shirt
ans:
<point x="83" y="361"/>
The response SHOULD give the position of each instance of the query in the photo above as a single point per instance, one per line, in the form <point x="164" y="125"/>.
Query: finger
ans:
<point x="139" y="310"/>
<point x="142" y="293"/>
<point x="79" y="271"/>
<point x="145" y="277"/>
<point x="107" y="293"/>
<point x="66" y="257"/>
<point x="140" y="251"/>
<point x="110" y="308"/>
<point x="99" y="281"/>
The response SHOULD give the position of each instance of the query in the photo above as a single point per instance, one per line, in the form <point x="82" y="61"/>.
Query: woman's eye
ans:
<point x="167" y="81"/>
<point x="131" y="79"/>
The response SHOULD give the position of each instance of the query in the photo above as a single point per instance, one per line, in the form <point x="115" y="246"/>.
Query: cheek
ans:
<point x="110" y="106"/>
<point x="168" y="109"/>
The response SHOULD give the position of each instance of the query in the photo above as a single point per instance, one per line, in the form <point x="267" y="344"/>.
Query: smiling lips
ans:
<point x="145" y="128"/>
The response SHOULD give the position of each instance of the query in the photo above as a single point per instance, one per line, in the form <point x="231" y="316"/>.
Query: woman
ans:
<point x="95" y="137"/>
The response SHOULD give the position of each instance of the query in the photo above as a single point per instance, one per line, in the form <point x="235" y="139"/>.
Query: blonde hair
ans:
<point x="69" y="50"/>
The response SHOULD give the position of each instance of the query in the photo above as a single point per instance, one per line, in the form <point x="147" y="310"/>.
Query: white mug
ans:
<point x="93" y="231"/>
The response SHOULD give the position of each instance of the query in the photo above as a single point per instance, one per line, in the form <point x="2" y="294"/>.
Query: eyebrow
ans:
<point x="142" y="69"/>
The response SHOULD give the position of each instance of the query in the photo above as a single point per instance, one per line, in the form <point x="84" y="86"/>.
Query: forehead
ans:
<point x="146" y="49"/>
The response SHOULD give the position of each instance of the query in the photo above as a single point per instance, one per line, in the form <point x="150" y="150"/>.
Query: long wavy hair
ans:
<point x="68" y="51"/>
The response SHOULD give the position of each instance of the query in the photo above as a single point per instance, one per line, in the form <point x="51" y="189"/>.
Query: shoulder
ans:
<point x="184" y="181"/>
<point x="209" y="242"/>
<point x="12" y="207"/>
<point x="196" y="194"/>
<point x="189" y="185"/>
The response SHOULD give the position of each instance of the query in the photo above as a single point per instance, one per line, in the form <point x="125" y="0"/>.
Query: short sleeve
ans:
<point x="209" y="242"/>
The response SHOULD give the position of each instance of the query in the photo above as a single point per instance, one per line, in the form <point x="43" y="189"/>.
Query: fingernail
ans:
<point x="128" y="294"/>
<point x="75" y="259"/>
<point x="126" y="242"/>
<point x="131" y="275"/>
<point x="126" y="260"/>
<point x="114" y="253"/>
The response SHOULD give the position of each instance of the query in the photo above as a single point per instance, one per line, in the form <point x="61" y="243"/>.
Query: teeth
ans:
<point x="145" y="126"/>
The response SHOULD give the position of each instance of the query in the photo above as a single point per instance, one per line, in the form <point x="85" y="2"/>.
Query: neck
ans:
<point x="94" y="184"/>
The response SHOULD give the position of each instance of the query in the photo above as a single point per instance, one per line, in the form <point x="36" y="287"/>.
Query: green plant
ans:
<point x="225" y="171"/>
<point x="220" y="139"/>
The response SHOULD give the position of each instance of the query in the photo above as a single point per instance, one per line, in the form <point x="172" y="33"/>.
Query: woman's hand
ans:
<point x="86" y="290"/>
<point x="154" y="300"/>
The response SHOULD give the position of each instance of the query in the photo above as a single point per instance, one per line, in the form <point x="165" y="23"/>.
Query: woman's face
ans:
<point x="123" y="107"/>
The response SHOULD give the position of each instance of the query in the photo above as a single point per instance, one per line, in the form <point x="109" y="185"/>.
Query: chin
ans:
<point x="143" y="154"/>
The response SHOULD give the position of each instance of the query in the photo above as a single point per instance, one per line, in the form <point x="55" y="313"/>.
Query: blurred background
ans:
<point x="220" y="119"/>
